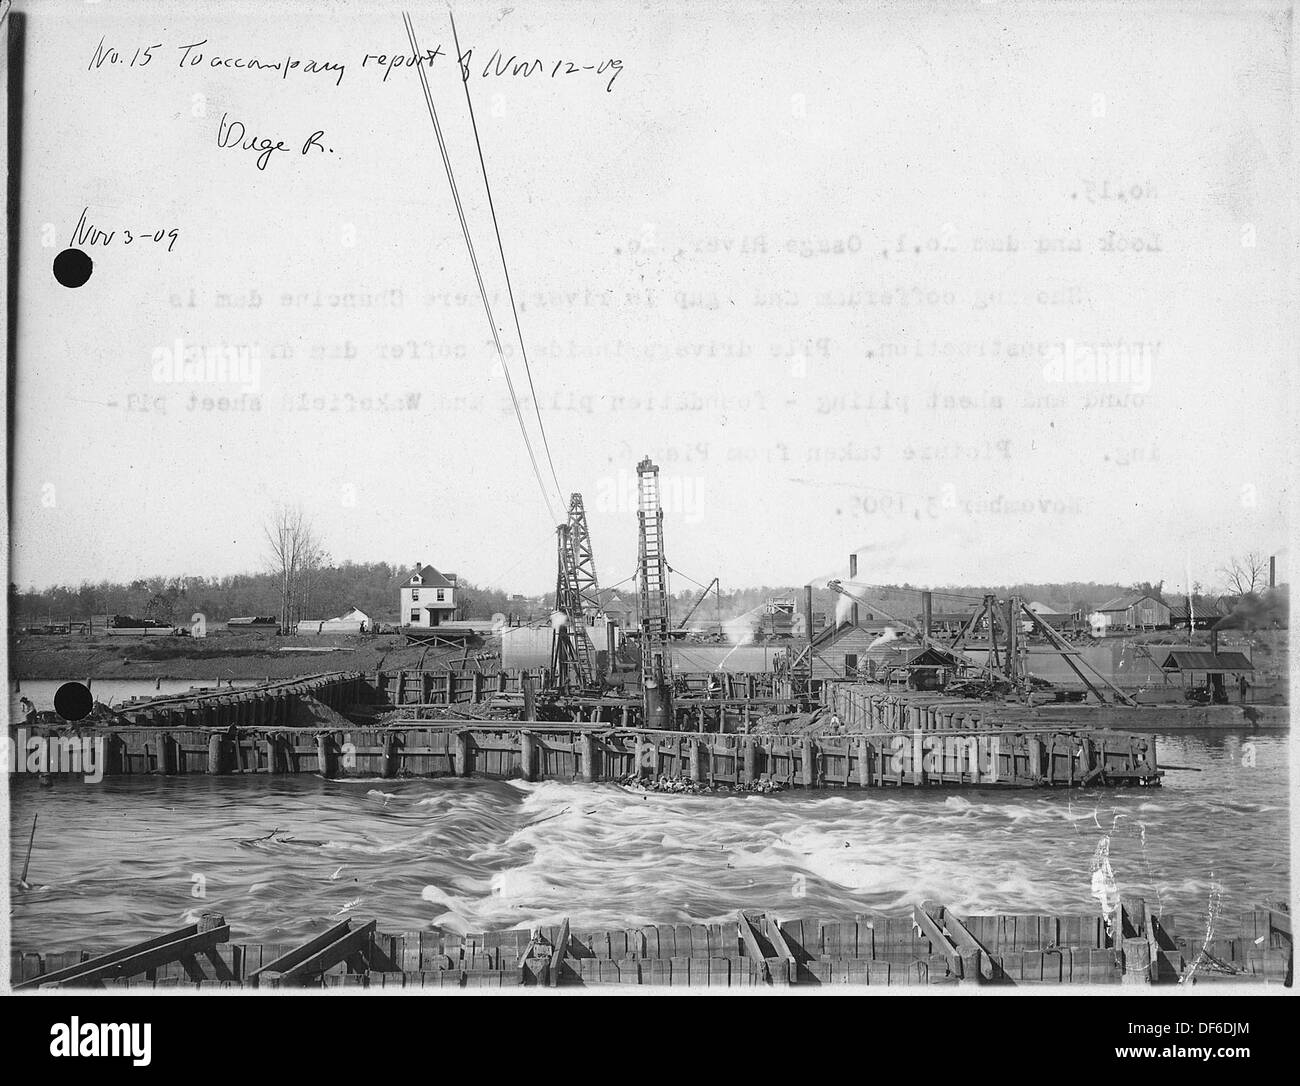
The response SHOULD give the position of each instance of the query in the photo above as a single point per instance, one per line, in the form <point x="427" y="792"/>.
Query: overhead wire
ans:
<point x="510" y="291"/>
<point x="473" y="256"/>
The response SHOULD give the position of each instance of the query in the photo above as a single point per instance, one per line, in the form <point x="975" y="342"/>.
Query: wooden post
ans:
<point x="217" y="762"/>
<point x="589" y="758"/>
<point x="695" y="754"/>
<point x="272" y="742"/>
<point x="1137" y="960"/>
<point x="528" y="755"/>
<point x="462" y="754"/>
<point x="1035" y="757"/>
<point x="167" y="754"/>
<point x="809" y="756"/>
<point x="864" y="762"/>
<point x="392" y="760"/>
<point x="326" y="756"/>
<point x="751" y="761"/>
<point x="478" y="687"/>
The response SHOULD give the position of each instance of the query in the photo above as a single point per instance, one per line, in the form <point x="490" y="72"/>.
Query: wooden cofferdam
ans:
<point x="1015" y="758"/>
<point x="931" y="945"/>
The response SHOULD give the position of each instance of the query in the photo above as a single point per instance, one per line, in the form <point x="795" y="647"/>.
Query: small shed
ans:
<point x="1211" y="670"/>
<point x="844" y="651"/>
<point x="355" y="621"/>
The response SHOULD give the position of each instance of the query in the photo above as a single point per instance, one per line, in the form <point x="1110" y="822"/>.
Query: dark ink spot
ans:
<point x="73" y="701"/>
<point x="72" y="267"/>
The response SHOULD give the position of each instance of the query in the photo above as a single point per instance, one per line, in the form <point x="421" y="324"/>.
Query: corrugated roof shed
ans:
<point x="1204" y="660"/>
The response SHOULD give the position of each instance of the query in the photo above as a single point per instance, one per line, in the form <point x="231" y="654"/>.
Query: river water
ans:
<point x="124" y="859"/>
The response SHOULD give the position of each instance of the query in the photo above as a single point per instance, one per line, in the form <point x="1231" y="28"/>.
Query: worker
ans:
<point x="1242" y="686"/>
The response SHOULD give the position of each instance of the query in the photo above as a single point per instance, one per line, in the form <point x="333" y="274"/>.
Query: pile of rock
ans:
<point x="686" y="786"/>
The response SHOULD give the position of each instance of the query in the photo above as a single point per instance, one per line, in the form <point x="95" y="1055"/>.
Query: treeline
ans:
<point x="903" y="600"/>
<point x="373" y="587"/>
<point x="335" y="589"/>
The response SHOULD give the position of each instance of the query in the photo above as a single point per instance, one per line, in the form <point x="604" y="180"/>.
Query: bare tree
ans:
<point x="1246" y="576"/>
<point x="314" y="559"/>
<point x="293" y="548"/>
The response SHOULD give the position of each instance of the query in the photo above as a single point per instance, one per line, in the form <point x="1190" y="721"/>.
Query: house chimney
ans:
<point x="853" y="576"/>
<point x="1214" y="639"/>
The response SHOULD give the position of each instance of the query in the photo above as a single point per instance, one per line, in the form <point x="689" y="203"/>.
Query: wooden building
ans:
<point x="1136" y="611"/>
<point x="428" y="598"/>
<point x="1216" y="672"/>
<point x="867" y="651"/>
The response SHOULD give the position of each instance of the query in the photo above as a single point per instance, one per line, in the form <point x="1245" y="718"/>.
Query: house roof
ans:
<point x="1123" y="603"/>
<point x="1217" y="607"/>
<point x="1204" y="660"/>
<point x="354" y="615"/>
<point x="906" y="654"/>
<point x="830" y="634"/>
<point x="431" y="578"/>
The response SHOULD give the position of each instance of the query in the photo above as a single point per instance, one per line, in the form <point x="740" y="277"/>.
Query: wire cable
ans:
<point x="546" y="445"/>
<point x="473" y="256"/>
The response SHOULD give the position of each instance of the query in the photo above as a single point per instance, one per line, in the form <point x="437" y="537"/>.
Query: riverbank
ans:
<point x="221" y="655"/>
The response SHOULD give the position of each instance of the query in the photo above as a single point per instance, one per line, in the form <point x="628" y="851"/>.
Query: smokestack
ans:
<point x="853" y="576"/>
<point x="1272" y="571"/>
<point x="807" y="619"/>
<point x="927" y="602"/>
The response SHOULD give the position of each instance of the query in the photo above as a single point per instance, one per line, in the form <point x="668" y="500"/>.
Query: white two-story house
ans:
<point x="428" y="598"/>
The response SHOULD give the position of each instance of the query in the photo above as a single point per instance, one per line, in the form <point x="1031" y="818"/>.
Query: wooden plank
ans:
<point x="315" y="956"/>
<point x="561" y="948"/>
<point x="938" y="939"/>
<point x="776" y="937"/>
<point x="965" y="941"/>
<point x="136" y="959"/>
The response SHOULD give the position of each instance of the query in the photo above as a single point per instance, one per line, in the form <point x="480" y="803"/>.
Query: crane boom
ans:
<point x="696" y="605"/>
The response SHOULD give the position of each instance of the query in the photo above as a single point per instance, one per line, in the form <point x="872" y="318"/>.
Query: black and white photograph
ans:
<point x="568" y="498"/>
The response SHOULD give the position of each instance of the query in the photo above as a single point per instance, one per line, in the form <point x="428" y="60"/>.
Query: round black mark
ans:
<point x="72" y="267"/>
<point x="73" y="701"/>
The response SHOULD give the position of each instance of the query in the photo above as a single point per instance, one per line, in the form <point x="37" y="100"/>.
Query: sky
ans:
<point x="986" y="293"/>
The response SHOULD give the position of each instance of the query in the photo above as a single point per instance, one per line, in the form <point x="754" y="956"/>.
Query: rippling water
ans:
<point x="122" y="860"/>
